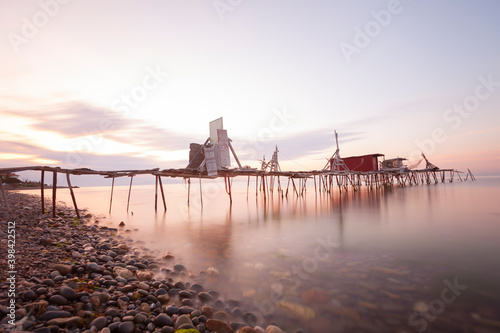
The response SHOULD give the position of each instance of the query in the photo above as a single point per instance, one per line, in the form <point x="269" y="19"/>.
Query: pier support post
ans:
<point x="227" y="184"/>
<point x="189" y="188"/>
<point x="54" y="188"/>
<point x="72" y="195"/>
<point x="248" y="185"/>
<point x="111" y="198"/>
<point x="156" y="193"/>
<point x="42" y="180"/>
<point x="201" y="194"/>
<point x="162" y="194"/>
<point x="129" y="190"/>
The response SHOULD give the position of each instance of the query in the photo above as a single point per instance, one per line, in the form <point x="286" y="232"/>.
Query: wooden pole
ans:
<point x="156" y="193"/>
<point x="471" y="175"/>
<point x="54" y="188"/>
<point x="248" y="185"/>
<point x="201" y="194"/>
<point x="227" y="183"/>
<point x="42" y="180"/>
<point x="256" y="185"/>
<point x="72" y="195"/>
<point x="189" y="188"/>
<point x="111" y="198"/>
<point x="162" y="194"/>
<point x="263" y="182"/>
<point x="129" y="190"/>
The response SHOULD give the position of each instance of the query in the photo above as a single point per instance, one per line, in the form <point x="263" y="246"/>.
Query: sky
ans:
<point x="113" y="85"/>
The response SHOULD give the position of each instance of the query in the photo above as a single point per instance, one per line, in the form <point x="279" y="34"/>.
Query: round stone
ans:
<point x="163" y="320"/>
<point x="30" y="295"/>
<point x="126" y="327"/>
<point x="58" y="299"/>
<point x="67" y="292"/>
<point x="99" y="323"/>
<point x="183" y="320"/>
<point x="173" y="309"/>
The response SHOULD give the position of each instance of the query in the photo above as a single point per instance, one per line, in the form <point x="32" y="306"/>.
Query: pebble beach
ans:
<point x="73" y="275"/>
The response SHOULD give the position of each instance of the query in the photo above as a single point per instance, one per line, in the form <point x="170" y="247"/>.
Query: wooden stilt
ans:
<point x="227" y="184"/>
<point x="256" y="185"/>
<point x="471" y="175"/>
<point x="248" y="185"/>
<point x="263" y="182"/>
<point x="162" y="194"/>
<point x="189" y="188"/>
<point x="72" y="195"/>
<point x="54" y="188"/>
<point x="129" y="190"/>
<point x="286" y="194"/>
<point x="156" y="193"/>
<point x="42" y="180"/>
<point x="295" y="188"/>
<point x="111" y="198"/>
<point x="201" y="194"/>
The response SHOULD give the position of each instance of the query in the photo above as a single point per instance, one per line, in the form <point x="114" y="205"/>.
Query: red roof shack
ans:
<point x="362" y="163"/>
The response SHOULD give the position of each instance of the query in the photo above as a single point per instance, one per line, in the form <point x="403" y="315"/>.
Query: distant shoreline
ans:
<point x="35" y="188"/>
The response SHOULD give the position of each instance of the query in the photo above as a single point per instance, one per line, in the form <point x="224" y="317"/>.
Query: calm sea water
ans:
<point x="356" y="261"/>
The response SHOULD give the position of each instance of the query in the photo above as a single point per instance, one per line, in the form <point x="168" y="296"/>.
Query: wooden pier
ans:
<point x="267" y="183"/>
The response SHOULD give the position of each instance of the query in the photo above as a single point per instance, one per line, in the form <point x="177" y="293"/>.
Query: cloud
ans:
<point x="75" y="119"/>
<point x="146" y="145"/>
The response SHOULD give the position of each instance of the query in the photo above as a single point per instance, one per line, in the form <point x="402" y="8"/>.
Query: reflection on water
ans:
<point x="362" y="261"/>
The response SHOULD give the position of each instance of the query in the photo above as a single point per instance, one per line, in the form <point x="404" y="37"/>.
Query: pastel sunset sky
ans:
<point x="113" y="85"/>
